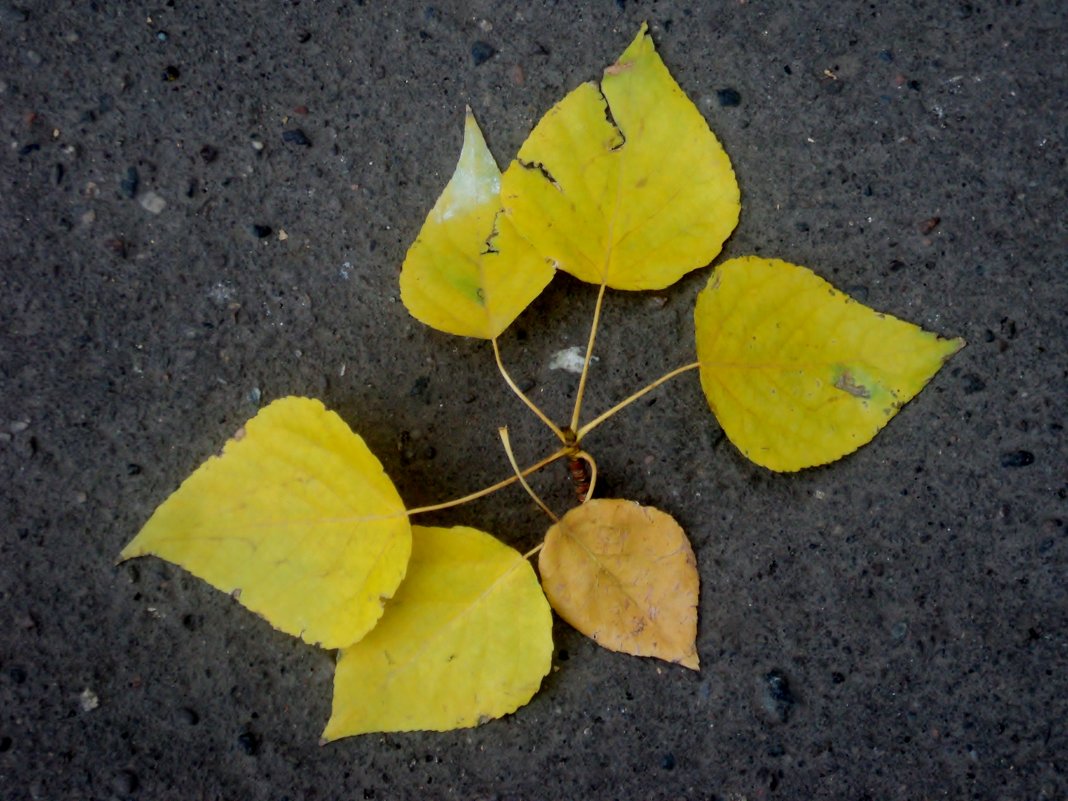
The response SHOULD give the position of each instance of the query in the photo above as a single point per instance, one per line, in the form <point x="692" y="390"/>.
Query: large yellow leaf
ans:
<point x="637" y="203"/>
<point x="296" y="518"/>
<point x="799" y="374"/>
<point x="625" y="575"/>
<point x="468" y="272"/>
<point x="467" y="638"/>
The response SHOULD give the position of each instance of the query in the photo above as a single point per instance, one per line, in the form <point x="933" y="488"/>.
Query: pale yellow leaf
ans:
<point x="296" y="519"/>
<point x="467" y="638"/>
<point x="624" y="184"/>
<point x="798" y="373"/>
<point x="468" y="272"/>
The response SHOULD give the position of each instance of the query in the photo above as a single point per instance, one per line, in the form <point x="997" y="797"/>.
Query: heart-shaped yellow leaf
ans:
<point x="624" y="184"/>
<point x="468" y="272"/>
<point x="625" y="575"/>
<point x="467" y="638"/>
<point x="798" y="373"/>
<point x="296" y="519"/>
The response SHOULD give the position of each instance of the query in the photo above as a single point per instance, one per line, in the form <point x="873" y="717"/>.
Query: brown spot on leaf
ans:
<point x="845" y="383"/>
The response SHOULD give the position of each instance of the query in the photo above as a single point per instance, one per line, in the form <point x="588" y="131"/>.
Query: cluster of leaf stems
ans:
<point x="570" y="436"/>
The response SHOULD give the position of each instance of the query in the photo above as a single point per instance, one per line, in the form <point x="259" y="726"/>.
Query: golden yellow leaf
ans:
<point x="296" y="519"/>
<point x="625" y="575"/>
<point x="799" y="374"/>
<point x="468" y="272"/>
<point x="625" y="184"/>
<point x="467" y="638"/>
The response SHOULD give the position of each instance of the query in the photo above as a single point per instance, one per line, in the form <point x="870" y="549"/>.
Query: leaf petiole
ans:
<point x="503" y="432"/>
<point x="560" y="454"/>
<point x="589" y="355"/>
<point x="523" y="396"/>
<point x="586" y="429"/>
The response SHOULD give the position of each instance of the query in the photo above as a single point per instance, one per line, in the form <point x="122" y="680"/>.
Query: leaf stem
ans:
<point x="503" y="432"/>
<point x="522" y="395"/>
<point x="589" y="355"/>
<point x="560" y="454"/>
<point x="586" y="429"/>
<point x="593" y="473"/>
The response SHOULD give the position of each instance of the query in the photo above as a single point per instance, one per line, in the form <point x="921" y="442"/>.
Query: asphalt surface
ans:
<point x="175" y="253"/>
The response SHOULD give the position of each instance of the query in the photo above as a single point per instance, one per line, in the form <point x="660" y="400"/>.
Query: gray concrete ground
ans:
<point x="907" y="603"/>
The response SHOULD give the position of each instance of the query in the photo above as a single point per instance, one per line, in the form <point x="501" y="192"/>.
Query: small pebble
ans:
<point x="481" y="52"/>
<point x="188" y="716"/>
<point x="9" y="12"/>
<point x="1017" y="459"/>
<point x="296" y="137"/>
<point x="171" y="74"/>
<point x="125" y="782"/>
<point x="161" y="36"/>
<point x="88" y="700"/>
<point x="928" y="225"/>
<point x="249" y="742"/>
<point x="118" y="246"/>
<point x="421" y="389"/>
<point x="130" y="183"/>
<point x="153" y="203"/>
<point x="973" y="384"/>
<point x="729" y="97"/>
<point x="777" y="699"/>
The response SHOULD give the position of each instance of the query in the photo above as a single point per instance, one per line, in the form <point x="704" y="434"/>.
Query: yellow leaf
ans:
<point x="296" y="519"/>
<point x="467" y="638"/>
<point x="625" y="184"/>
<point x="799" y="374"/>
<point x="468" y="272"/>
<point x="625" y="575"/>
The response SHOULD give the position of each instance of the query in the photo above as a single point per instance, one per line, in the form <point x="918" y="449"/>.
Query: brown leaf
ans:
<point x="624" y="575"/>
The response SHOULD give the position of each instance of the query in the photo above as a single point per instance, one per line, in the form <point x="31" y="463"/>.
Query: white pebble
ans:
<point x="153" y="203"/>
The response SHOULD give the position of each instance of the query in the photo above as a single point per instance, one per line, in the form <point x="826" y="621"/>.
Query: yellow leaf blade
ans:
<point x="467" y="638"/>
<point x="626" y="576"/>
<point x="295" y="518"/>
<point x="468" y="272"/>
<point x="798" y="373"/>
<point x="637" y="203"/>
